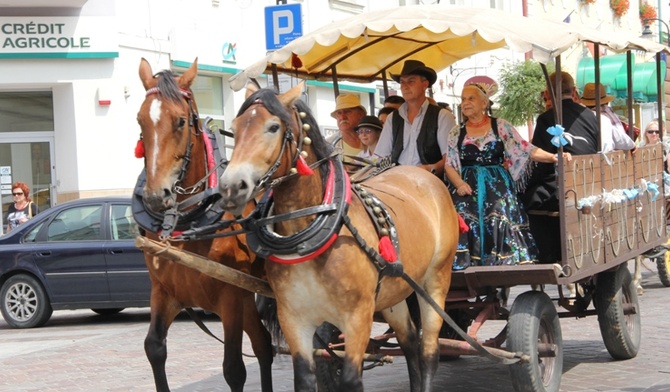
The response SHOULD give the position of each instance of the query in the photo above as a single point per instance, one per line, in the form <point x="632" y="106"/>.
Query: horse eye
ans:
<point x="182" y="122"/>
<point x="273" y="128"/>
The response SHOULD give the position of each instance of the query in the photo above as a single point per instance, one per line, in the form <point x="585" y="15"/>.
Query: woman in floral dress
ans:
<point x="486" y="164"/>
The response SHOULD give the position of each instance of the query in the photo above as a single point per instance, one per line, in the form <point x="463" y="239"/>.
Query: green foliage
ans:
<point x="521" y="84"/>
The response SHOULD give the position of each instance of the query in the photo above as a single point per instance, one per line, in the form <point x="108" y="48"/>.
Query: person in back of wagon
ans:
<point x="612" y="133"/>
<point x="348" y="113"/>
<point x="540" y="197"/>
<point x="487" y="162"/>
<point x="393" y="101"/>
<point x="368" y="131"/>
<point x="417" y="133"/>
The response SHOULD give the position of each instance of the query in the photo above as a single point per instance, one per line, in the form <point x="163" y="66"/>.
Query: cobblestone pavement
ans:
<point x="82" y="351"/>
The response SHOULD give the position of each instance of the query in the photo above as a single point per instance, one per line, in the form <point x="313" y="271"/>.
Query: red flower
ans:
<point x="620" y="7"/>
<point x="647" y="11"/>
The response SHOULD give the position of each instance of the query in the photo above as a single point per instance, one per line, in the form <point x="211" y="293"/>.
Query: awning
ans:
<point x="613" y="75"/>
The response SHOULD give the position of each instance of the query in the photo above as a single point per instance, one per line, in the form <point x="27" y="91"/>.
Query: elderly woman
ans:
<point x="486" y="163"/>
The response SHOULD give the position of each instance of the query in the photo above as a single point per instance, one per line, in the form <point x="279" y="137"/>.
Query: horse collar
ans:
<point x="315" y="239"/>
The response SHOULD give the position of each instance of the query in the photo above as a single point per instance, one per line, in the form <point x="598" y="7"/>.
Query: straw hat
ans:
<point x="346" y="101"/>
<point x="369" y="122"/>
<point x="416" y="67"/>
<point x="588" y="97"/>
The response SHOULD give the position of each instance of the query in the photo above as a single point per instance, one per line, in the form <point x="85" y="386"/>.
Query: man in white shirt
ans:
<point x="417" y="133"/>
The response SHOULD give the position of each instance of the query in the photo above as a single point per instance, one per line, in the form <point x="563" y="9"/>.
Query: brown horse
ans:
<point x="178" y="160"/>
<point x="333" y="279"/>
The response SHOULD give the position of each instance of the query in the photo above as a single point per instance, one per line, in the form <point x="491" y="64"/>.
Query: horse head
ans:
<point x="275" y="137"/>
<point x="169" y="122"/>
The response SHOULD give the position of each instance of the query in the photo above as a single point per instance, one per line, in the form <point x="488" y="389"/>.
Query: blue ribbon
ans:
<point x="631" y="193"/>
<point x="653" y="189"/>
<point x="558" y="139"/>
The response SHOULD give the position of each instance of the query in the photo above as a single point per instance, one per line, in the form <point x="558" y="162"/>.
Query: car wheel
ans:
<point x="24" y="302"/>
<point x="107" y="312"/>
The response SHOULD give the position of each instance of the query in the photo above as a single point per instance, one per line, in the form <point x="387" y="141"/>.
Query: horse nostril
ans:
<point x="243" y="185"/>
<point x="167" y="193"/>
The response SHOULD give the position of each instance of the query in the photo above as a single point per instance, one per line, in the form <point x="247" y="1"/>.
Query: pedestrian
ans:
<point x="23" y="208"/>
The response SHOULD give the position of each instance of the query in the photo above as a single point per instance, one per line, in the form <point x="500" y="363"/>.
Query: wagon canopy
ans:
<point x="374" y="45"/>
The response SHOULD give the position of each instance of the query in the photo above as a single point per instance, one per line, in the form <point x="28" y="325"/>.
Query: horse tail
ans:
<point x="267" y="309"/>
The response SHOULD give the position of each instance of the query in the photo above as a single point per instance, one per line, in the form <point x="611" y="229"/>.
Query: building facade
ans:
<point x="70" y="91"/>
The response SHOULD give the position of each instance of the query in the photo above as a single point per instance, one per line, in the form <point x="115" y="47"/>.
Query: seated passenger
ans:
<point x="540" y="196"/>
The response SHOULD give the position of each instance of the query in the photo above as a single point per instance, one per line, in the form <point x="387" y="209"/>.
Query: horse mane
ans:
<point x="322" y="149"/>
<point x="167" y="85"/>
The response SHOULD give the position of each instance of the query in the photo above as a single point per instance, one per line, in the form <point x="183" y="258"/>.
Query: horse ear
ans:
<point x="146" y="75"/>
<point x="187" y="78"/>
<point x="288" y="98"/>
<point x="251" y="89"/>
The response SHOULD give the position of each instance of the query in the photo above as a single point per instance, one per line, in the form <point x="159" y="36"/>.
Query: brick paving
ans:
<point x="82" y="351"/>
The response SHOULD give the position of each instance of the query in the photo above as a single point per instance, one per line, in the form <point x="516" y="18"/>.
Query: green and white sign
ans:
<point x="58" y="37"/>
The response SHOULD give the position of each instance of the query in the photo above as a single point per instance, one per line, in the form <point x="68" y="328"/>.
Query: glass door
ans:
<point x="29" y="161"/>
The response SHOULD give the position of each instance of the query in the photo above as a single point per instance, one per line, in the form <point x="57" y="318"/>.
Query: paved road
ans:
<point x="82" y="351"/>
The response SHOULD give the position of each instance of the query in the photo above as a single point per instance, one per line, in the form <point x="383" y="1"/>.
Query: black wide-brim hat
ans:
<point x="416" y="67"/>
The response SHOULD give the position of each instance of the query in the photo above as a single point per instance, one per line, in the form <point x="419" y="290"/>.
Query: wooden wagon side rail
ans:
<point x="204" y="265"/>
<point x="614" y="209"/>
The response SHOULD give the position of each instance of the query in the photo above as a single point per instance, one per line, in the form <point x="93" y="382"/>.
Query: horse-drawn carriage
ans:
<point x="315" y="232"/>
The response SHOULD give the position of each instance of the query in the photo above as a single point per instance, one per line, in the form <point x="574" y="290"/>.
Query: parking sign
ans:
<point x="283" y="24"/>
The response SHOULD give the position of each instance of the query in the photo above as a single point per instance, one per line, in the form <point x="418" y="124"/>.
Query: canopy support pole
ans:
<point x="629" y="99"/>
<point x="659" y="95"/>
<point x="275" y="77"/>
<point x="336" y="87"/>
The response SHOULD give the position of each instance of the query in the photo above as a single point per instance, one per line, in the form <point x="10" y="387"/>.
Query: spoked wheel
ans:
<point x="534" y="329"/>
<point x="328" y="370"/>
<point x="618" y="312"/>
<point x="663" y="265"/>
<point x="24" y="302"/>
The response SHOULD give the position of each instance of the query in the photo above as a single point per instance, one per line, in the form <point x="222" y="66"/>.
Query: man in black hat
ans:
<point x="417" y="133"/>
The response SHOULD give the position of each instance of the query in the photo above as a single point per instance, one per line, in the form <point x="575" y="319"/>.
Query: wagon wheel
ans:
<point x="328" y="371"/>
<point x="663" y="265"/>
<point x="618" y="312"/>
<point x="533" y="329"/>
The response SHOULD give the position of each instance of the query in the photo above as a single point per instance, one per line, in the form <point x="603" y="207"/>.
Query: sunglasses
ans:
<point x="17" y="194"/>
<point x="364" y="131"/>
<point x="654" y="131"/>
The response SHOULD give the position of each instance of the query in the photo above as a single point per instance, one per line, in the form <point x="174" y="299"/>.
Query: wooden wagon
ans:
<point x="612" y="207"/>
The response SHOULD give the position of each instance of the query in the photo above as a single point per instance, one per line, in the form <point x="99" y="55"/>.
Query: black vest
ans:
<point x="426" y="143"/>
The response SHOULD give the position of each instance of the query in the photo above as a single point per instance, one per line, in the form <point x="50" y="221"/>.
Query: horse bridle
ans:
<point x="193" y="119"/>
<point x="170" y="219"/>
<point x="288" y="138"/>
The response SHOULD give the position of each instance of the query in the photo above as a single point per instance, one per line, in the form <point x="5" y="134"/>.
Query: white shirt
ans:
<point x="410" y="152"/>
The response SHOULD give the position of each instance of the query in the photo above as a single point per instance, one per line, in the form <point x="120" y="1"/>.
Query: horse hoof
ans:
<point x="640" y="290"/>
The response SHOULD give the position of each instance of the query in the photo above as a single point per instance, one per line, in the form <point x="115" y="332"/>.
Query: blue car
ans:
<point x="77" y="255"/>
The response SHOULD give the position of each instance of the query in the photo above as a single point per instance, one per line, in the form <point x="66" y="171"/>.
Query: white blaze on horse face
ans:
<point x="155" y="111"/>
<point x="155" y="115"/>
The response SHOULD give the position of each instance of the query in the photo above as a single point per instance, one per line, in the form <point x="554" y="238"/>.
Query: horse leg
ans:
<point x="261" y="342"/>
<point x="431" y="323"/>
<point x="299" y="336"/>
<point x="357" y="328"/>
<point x="232" y="318"/>
<point x="164" y="309"/>
<point x="637" y="276"/>
<point x="398" y="317"/>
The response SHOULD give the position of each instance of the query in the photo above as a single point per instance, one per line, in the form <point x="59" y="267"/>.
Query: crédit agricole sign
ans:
<point x="58" y="37"/>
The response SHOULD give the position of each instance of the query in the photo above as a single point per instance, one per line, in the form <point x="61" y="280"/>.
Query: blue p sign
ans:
<point x="283" y="24"/>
